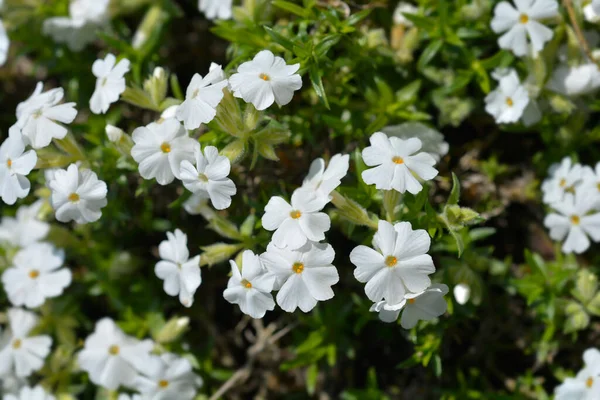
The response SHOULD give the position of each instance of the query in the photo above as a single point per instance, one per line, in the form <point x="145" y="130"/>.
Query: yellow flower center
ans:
<point x="37" y="113"/>
<point x="17" y="344"/>
<point x="163" y="384"/>
<point x="598" y="186"/>
<point x="390" y="261"/>
<point x="196" y="92"/>
<point x="398" y="160"/>
<point x="9" y="163"/>
<point x="203" y="177"/>
<point x="575" y="220"/>
<point x="524" y="18"/>
<point x="246" y="284"/>
<point x="509" y="102"/>
<point x="589" y="382"/>
<point x="295" y="214"/>
<point x="113" y="350"/>
<point x="165" y="147"/>
<point x="264" y="77"/>
<point x="104" y="80"/>
<point x="73" y="197"/>
<point x="562" y="183"/>
<point x="34" y="273"/>
<point x="298" y="267"/>
<point x="411" y="301"/>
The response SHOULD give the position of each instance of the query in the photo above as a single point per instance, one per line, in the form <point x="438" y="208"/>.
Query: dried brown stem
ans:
<point x="578" y="31"/>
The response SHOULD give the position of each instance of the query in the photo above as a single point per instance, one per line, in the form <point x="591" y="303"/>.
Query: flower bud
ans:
<point x="114" y="134"/>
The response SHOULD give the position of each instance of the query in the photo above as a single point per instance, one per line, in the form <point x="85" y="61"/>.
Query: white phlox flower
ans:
<point x="19" y="352"/>
<point x="507" y="103"/>
<point x="198" y="204"/>
<point x="322" y="181"/>
<point x="216" y="9"/>
<point x="113" y="133"/>
<point x="15" y="165"/>
<point x="160" y="147"/>
<point x="303" y="276"/>
<point x="172" y="378"/>
<point x="590" y="183"/>
<point x="403" y="7"/>
<point x="432" y="141"/>
<point x="395" y="160"/>
<point x="266" y="79"/>
<point x="25" y="228"/>
<point x="462" y="293"/>
<point x="181" y="274"/>
<point x="30" y="393"/>
<point x="586" y="385"/>
<point x="575" y="81"/>
<point x="564" y="178"/>
<point x="250" y="287"/>
<point x="398" y="265"/>
<point x="110" y="82"/>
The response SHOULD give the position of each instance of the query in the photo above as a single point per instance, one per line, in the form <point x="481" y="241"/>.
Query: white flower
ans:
<point x="403" y="7"/>
<point x="596" y="6"/>
<point x="462" y="293"/>
<point x="432" y="140"/>
<point x="575" y="81"/>
<point x="198" y="204"/>
<point x="113" y="133"/>
<point x="173" y="378"/>
<point x="77" y="195"/>
<point x="399" y="263"/>
<point x="169" y="112"/>
<point x="251" y="288"/>
<point x="38" y="115"/>
<point x="586" y="385"/>
<point x="508" y="101"/>
<point x="297" y="223"/>
<point x="322" y="181"/>
<point x="415" y="307"/>
<point x="590" y="183"/>
<point x="564" y="178"/>
<point x="110" y="83"/>
<point x="4" y="44"/>
<point x="20" y="352"/>
<point x="28" y="393"/>
<point x="303" y="276"/>
<point x="112" y="358"/>
<point x="25" y="228"/>
<point x="181" y="274"/>
<point x="36" y="275"/>
<point x="215" y="9"/>
<point x="209" y="176"/>
<point x="160" y="148"/>
<point x="266" y="79"/>
<point x="202" y="97"/>
<point x="575" y="222"/>
<point x="395" y="160"/>
<point x="15" y="165"/>
<point x="522" y="22"/>
<point x="11" y="384"/>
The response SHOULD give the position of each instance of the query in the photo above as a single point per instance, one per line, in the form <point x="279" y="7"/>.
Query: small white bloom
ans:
<point x="266" y="79"/>
<point x="575" y="222"/>
<point x="4" y="44"/>
<point x="173" y="378"/>
<point x="415" y="307"/>
<point x="216" y="9"/>
<point x="160" y="147"/>
<point x="586" y="385"/>
<point x="304" y="276"/>
<point x="112" y="358"/>
<point x="462" y="293"/>
<point x="113" y="133"/>
<point x="433" y="141"/>
<point x="181" y="274"/>
<point x="322" y="181"/>
<point x="198" y="204"/>
<point x="564" y="178"/>
<point x="110" y="83"/>
<point x="38" y="115"/>
<point x="11" y="384"/>
<point x="25" y="228"/>
<point x="508" y="101"/>
<point x="20" y="352"/>
<point x="399" y="263"/>
<point x="209" y="176"/>
<point x="28" y="393"/>
<point x="77" y="195"/>
<point x="575" y="81"/>
<point x="395" y="160"/>
<point x="15" y="165"/>
<point x="169" y="112"/>
<point x="590" y="183"/>
<point x="251" y="288"/>
<point x="297" y="223"/>
<point x="202" y="97"/>
<point x="36" y="275"/>
<point x="403" y="7"/>
<point x="522" y="22"/>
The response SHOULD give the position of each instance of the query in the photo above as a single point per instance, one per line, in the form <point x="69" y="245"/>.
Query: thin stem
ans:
<point x="578" y="32"/>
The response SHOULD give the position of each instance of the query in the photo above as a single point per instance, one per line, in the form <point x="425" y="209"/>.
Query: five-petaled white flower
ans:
<point x="508" y="101"/>
<point x="15" y="165"/>
<point x="36" y="275"/>
<point x="432" y="141"/>
<point x="322" y="181"/>
<point x="181" y="274"/>
<point x="19" y="352"/>
<point x="297" y="223"/>
<point x="523" y="21"/>
<point x="25" y="228"/>
<point x="172" y="378"/>
<point x="303" y="276"/>
<point x="110" y="83"/>
<point x="216" y="9"/>
<point x="202" y="97"/>
<point x="586" y="385"/>
<point x="77" y="195"/>
<point x="576" y="221"/>
<point x="399" y="263"/>
<point x="39" y="113"/>
<point x="209" y="176"/>
<point x="111" y="358"/>
<point x="30" y="393"/>
<point x="564" y="178"/>
<point x="160" y="147"/>
<point x="251" y="287"/>
<point x="266" y="79"/>
<point x="415" y="307"/>
<point x="395" y="160"/>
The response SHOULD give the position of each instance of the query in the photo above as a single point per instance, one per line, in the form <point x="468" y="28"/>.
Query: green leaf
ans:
<point x="317" y="83"/>
<point x="311" y="378"/>
<point x="281" y="40"/>
<point x="586" y="286"/>
<point x="429" y="53"/>
<point x="536" y="262"/>
<point x="291" y="7"/>
<point x="577" y="318"/>
<point x="359" y="16"/>
<point x="455" y="192"/>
